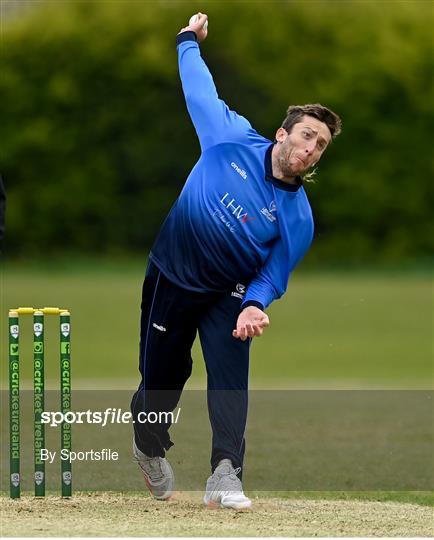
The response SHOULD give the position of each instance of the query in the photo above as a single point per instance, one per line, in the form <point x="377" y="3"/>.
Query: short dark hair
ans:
<point x="295" y="113"/>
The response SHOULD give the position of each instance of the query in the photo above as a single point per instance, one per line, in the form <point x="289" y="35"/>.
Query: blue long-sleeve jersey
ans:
<point x="233" y="221"/>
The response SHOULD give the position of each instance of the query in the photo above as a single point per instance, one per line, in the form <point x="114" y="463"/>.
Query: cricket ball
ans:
<point x="194" y="18"/>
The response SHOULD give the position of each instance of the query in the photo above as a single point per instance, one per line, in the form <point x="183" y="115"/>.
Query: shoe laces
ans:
<point x="152" y="467"/>
<point x="231" y="480"/>
<point x="236" y="471"/>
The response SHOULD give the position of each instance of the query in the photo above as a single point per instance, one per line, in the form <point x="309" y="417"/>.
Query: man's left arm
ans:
<point x="269" y="285"/>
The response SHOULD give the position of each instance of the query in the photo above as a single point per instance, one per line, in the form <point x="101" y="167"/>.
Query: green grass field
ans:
<point x="332" y="331"/>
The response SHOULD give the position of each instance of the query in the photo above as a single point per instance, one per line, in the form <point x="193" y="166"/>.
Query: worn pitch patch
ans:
<point x="114" y="514"/>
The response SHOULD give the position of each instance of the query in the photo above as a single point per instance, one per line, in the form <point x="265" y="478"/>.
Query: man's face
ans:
<point x="302" y="148"/>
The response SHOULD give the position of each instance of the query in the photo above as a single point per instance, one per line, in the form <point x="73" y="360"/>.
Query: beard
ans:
<point x="288" y="170"/>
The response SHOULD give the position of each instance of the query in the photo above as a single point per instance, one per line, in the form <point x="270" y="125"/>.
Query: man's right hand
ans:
<point x="197" y="27"/>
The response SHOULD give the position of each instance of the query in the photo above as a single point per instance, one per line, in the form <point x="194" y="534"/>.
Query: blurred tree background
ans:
<point x="96" y="141"/>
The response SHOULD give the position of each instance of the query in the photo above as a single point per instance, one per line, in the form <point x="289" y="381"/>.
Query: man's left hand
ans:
<point x="251" y="322"/>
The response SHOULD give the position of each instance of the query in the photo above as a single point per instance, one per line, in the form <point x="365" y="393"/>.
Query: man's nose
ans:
<point x="310" y="147"/>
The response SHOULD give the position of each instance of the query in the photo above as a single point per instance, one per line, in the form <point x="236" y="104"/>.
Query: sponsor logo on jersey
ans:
<point x="268" y="212"/>
<point x="239" y="170"/>
<point x="236" y="209"/>
<point x="241" y="288"/>
<point x="159" y="327"/>
<point x="219" y="215"/>
<point x="240" y="291"/>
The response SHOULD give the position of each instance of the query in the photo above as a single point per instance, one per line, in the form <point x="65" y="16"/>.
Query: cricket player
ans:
<point x="239" y="227"/>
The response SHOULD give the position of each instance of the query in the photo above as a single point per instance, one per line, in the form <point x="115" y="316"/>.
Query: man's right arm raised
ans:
<point x="213" y="120"/>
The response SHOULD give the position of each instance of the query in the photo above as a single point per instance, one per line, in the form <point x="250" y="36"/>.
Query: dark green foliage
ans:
<point x="96" y="141"/>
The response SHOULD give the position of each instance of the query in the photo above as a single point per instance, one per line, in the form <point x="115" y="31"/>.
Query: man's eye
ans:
<point x="306" y="134"/>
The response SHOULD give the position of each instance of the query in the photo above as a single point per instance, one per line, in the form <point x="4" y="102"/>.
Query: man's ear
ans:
<point x="281" y="135"/>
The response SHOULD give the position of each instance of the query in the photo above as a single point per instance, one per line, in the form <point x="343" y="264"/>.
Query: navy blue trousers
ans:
<point x="170" y="319"/>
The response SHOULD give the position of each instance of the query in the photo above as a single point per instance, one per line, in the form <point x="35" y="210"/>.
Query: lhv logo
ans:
<point x="236" y="209"/>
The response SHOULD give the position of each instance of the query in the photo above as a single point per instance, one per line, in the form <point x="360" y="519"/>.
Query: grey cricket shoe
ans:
<point x="158" y="474"/>
<point x="224" y="488"/>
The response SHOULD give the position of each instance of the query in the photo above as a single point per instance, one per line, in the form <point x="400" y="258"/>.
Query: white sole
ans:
<point x="235" y="506"/>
